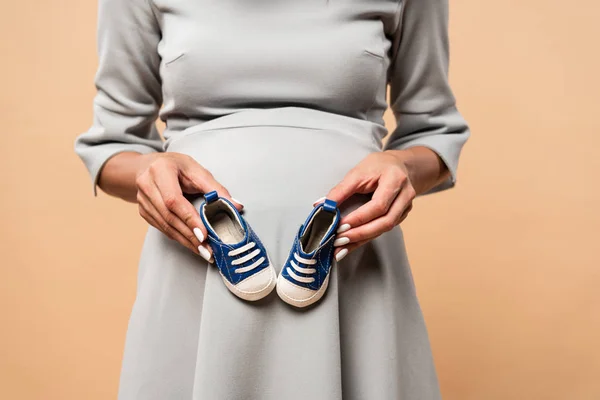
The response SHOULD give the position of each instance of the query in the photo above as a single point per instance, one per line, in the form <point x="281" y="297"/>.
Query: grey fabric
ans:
<point x="278" y="100"/>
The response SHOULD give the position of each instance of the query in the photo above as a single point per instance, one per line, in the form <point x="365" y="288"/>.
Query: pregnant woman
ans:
<point x="275" y="103"/>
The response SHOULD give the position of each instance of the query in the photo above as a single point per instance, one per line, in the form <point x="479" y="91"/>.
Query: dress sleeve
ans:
<point x="128" y="87"/>
<point x="420" y="96"/>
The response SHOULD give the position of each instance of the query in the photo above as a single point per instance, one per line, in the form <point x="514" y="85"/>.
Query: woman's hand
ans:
<point x="161" y="183"/>
<point x="394" y="177"/>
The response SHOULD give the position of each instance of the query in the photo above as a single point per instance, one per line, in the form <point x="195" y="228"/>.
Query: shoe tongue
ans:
<point x="240" y="224"/>
<point x="327" y="205"/>
<point x="304" y="253"/>
<point x="309" y="255"/>
<point x="324" y="210"/>
<point x="241" y="242"/>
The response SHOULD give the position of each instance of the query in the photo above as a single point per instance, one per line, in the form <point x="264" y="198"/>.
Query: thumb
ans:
<point x="200" y="180"/>
<point x="343" y="190"/>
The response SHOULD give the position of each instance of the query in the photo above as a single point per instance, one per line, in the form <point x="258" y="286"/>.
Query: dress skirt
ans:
<point x="190" y="338"/>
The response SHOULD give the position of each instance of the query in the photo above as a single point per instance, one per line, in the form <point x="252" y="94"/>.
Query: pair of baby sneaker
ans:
<point x="243" y="261"/>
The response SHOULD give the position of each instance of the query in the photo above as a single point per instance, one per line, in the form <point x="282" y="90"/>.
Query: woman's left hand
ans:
<point x="386" y="175"/>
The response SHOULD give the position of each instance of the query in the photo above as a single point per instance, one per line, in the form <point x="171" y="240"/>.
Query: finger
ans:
<point x="163" y="202"/>
<point x="203" y="181"/>
<point x="238" y="204"/>
<point x="150" y="214"/>
<point x="389" y="185"/>
<point x="166" y="173"/>
<point x="319" y="200"/>
<point x="406" y="212"/>
<point x="343" y="190"/>
<point x="167" y="197"/>
<point x="342" y="252"/>
<point x="150" y="219"/>
<point x="385" y="223"/>
<point x="154" y="217"/>
<point x="172" y="195"/>
<point x="150" y="200"/>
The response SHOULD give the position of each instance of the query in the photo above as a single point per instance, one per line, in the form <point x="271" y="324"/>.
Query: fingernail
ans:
<point x="343" y="228"/>
<point x="341" y="254"/>
<point x="237" y="201"/>
<point x="199" y="234"/>
<point x="319" y="200"/>
<point x="341" y="241"/>
<point x="204" y="253"/>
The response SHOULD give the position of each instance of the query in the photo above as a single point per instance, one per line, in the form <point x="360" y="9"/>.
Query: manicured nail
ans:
<point x="204" y="253"/>
<point x="237" y="201"/>
<point x="199" y="234"/>
<point x="341" y="241"/>
<point x="319" y="200"/>
<point x="343" y="228"/>
<point x="341" y="254"/>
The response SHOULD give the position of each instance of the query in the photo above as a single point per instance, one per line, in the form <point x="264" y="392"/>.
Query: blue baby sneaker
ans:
<point x="239" y="255"/>
<point x="305" y="275"/>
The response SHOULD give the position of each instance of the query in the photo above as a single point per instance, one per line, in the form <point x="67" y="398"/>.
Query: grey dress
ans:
<point x="278" y="99"/>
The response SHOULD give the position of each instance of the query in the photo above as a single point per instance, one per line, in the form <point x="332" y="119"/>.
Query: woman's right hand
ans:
<point x="161" y="183"/>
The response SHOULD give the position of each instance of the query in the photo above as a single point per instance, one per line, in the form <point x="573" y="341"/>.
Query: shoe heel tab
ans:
<point x="211" y="196"/>
<point x="330" y="206"/>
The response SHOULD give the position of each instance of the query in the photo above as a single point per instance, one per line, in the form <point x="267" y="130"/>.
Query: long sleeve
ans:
<point x="421" y="98"/>
<point x="128" y="85"/>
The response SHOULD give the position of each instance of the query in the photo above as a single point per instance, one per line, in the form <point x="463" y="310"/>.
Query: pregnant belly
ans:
<point x="270" y="164"/>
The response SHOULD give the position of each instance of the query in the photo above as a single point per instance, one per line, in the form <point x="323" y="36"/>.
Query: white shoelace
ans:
<point x="302" y="270"/>
<point x="245" y="258"/>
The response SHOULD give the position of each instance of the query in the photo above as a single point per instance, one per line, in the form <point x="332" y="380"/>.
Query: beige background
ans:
<point x="507" y="264"/>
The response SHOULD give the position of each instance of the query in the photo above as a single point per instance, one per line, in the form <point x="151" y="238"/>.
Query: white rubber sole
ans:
<point x="257" y="294"/>
<point x="285" y="289"/>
